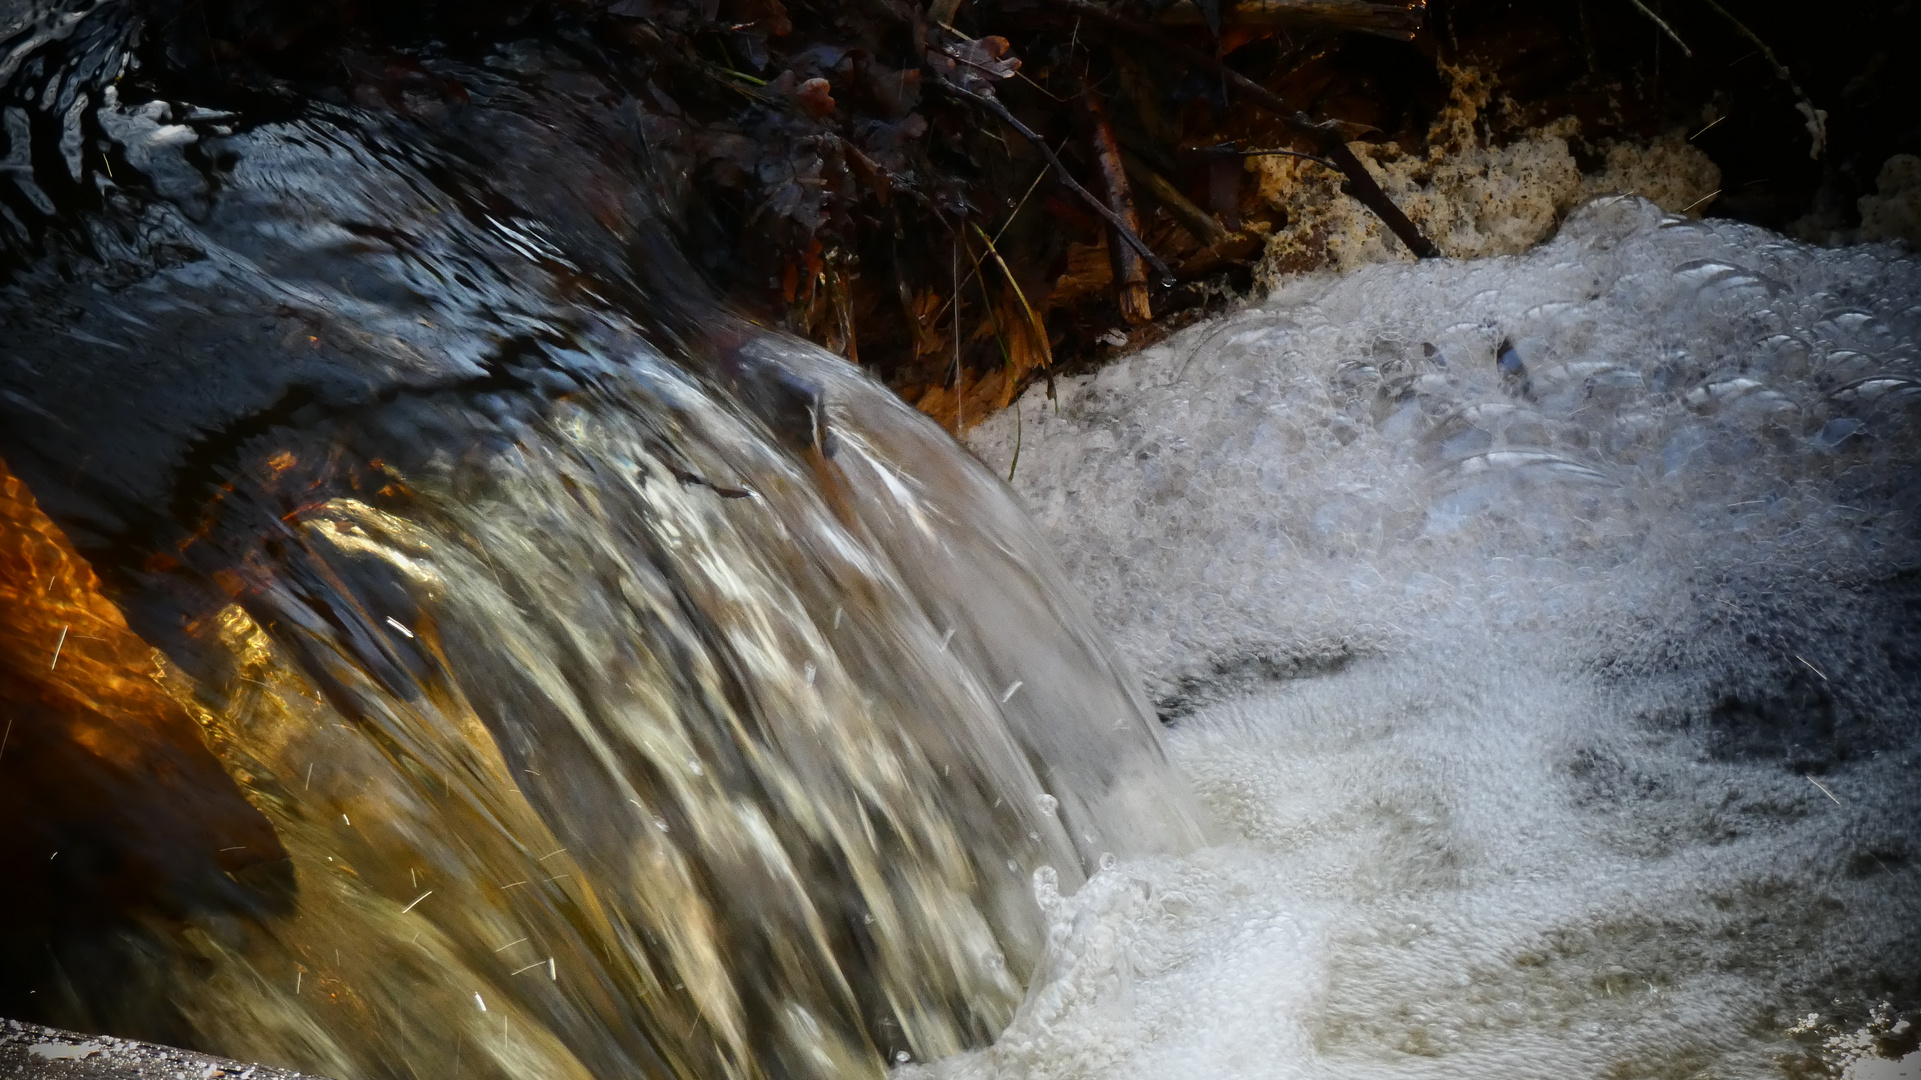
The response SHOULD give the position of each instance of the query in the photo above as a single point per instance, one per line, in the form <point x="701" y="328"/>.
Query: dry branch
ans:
<point x="1327" y="136"/>
<point x="1130" y="275"/>
<point x="1060" y="169"/>
<point x="1195" y="220"/>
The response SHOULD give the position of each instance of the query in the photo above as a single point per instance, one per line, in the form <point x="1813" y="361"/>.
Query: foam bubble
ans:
<point x="1545" y="646"/>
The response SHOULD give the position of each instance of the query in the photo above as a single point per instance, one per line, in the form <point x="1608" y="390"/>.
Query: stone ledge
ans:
<point x="31" y="1052"/>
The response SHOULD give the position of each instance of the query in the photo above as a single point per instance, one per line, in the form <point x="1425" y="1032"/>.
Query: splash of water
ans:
<point x="1544" y="631"/>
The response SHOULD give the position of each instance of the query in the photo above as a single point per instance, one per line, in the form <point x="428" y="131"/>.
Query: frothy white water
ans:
<point x="1543" y="633"/>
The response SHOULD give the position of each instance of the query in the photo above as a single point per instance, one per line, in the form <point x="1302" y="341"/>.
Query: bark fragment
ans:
<point x="1130" y="273"/>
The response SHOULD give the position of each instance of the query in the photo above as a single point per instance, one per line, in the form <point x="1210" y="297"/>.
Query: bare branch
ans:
<point x="994" y="106"/>
<point x="1328" y="136"/>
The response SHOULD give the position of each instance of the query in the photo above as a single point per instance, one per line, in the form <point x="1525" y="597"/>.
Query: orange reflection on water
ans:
<point x="110" y="799"/>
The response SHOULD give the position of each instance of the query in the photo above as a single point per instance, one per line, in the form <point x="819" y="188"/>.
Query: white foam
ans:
<point x="1563" y="715"/>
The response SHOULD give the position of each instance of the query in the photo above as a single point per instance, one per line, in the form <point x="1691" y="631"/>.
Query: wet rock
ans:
<point x="32" y="1051"/>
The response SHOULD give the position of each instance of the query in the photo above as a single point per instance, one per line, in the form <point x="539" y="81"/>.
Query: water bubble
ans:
<point x="902" y="1057"/>
<point x="1107" y="860"/>
<point x="1047" y="888"/>
<point x="1837" y="431"/>
<point x="1049" y="803"/>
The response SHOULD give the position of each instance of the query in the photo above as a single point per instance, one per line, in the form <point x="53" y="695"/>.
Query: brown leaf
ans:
<point x="815" y="96"/>
<point x="975" y="65"/>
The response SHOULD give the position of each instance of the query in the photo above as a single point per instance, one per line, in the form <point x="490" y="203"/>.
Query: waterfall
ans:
<point x="625" y="737"/>
<point x="617" y="687"/>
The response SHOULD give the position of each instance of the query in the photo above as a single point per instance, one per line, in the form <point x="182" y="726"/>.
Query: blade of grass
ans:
<point x="1033" y="317"/>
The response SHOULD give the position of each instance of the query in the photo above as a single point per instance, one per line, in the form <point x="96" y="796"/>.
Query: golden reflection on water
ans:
<point x="99" y="764"/>
<point x="427" y="888"/>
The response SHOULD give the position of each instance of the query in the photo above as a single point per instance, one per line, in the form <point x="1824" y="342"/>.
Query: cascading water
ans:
<point x="565" y="742"/>
<point x="632" y="690"/>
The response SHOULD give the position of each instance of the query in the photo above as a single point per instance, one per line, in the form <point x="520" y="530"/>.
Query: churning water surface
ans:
<point x="1543" y="631"/>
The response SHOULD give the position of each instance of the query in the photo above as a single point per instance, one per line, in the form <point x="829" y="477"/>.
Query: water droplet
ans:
<point x="902" y="1057"/>
<point x="1049" y="803"/>
<point x="1108" y="860"/>
<point x="1047" y="889"/>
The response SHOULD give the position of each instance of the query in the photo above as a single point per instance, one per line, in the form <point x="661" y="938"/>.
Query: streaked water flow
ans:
<point x="634" y="691"/>
<point x="702" y="759"/>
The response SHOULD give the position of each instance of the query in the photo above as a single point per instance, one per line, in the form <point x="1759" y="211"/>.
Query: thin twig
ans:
<point x="1060" y="169"/>
<point x="1665" y="28"/>
<point x="1016" y="462"/>
<point x="1816" y="118"/>
<point x="1703" y="199"/>
<point x="1038" y="177"/>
